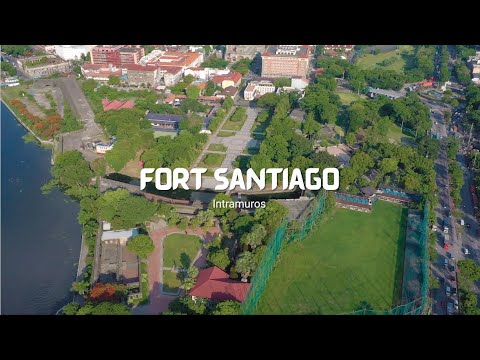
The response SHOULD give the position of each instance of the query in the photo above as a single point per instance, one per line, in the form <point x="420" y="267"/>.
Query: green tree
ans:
<point x="281" y="82"/>
<point x="191" y="278"/>
<point x="214" y="62"/>
<point x="71" y="308"/>
<point x="218" y="257"/>
<point x="228" y="307"/>
<point x="71" y="169"/>
<point x="255" y="237"/>
<point x="350" y="139"/>
<point x="114" y="80"/>
<point x="193" y="92"/>
<point x="242" y="66"/>
<point x="210" y="88"/>
<point x="99" y="166"/>
<point x="9" y="68"/>
<point x="81" y="287"/>
<point x="141" y="245"/>
<point x="388" y="165"/>
<point x="185" y="305"/>
<point x="245" y="264"/>
<point x="469" y="269"/>
<point x="108" y="308"/>
<point x="219" y="210"/>
<point x="271" y="216"/>
<point x="310" y="127"/>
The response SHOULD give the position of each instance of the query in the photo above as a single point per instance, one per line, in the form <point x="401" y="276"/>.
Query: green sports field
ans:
<point x="350" y="261"/>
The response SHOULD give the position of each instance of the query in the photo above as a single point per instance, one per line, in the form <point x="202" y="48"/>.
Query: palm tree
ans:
<point x="81" y="287"/>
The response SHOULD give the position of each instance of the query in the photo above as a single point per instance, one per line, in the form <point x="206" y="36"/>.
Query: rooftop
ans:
<point x="119" y="234"/>
<point x="287" y="50"/>
<point x="214" y="283"/>
<point x="117" y="105"/>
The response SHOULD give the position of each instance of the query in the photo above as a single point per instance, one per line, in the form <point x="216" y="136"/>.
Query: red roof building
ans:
<point x="232" y="79"/>
<point x="214" y="283"/>
<point x="116" y="105"/>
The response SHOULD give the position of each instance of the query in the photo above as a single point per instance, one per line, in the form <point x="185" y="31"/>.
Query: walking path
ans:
<point x="158" y="299"/>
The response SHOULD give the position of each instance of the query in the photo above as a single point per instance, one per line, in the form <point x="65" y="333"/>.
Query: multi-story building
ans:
<point x="139" y="74"/>
<point x="171" y="75"/>
<point x="116" y="55"/>
<point x="173" y="58"/>
<point x="239" y="52"/>
<point x="346" y="48"/>
<point x="100" y="72"/>
<point x="72" y="52"/>
<point x="285" y="61"/>
<point x="256" y="89"/>
<point x="205" y="73"/>
<point x="42" y="66"/>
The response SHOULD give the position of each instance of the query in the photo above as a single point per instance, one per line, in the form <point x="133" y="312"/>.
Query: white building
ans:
<point x="299" y="83"/>
<point x="256" y="89"/>
<point x="72" y="52"/>
<point x="205" y="73"/>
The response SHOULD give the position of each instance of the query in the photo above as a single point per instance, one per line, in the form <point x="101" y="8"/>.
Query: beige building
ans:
<point x="138" y="74"/>
<point x="43" y="66"/>
<point x="256" y="89"/>
<point x="286" y="61"/>
<point x="239" y="52"/>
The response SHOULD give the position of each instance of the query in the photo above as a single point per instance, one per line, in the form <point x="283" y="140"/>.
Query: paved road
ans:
<point x="461" y="236"/>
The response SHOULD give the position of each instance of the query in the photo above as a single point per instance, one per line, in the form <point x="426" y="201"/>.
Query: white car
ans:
<point x="466" y="252"/>
<point x="462" y="222"/>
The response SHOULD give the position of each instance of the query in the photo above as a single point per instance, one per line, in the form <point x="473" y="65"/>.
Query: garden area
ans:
<point x="396" y="60"/>
<point x="237" y="120"/>
<point x="212" y="160"/>
<point x="179" y="250"/>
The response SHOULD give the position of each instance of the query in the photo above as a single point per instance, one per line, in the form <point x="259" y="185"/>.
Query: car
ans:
<point x="445" y="262"/>
<point x="455" y="304"/>
<point x="450" y="308"/>
<point x="454" y="291"/>
<point x="465" y="251"/>
<point x="447" y="291"/>
<point x="462" y="222"/>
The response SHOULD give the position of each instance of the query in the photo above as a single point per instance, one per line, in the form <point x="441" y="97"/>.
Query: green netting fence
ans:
<point x="410" y="306"/>
<point x="418" y="305"/>
<point x="265" y="267"/>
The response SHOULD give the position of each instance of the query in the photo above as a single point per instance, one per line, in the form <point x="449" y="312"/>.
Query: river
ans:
<point x="40" y="235"/>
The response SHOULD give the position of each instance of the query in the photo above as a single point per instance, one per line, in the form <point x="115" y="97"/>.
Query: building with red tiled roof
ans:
<point x="232" y="79"/>
<point x="99" y="72"/>
<point x="214" y="283"/>
<point x="117" y="105"/>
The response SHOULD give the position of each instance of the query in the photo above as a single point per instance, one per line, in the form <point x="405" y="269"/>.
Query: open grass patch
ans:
<point x="217" y="147"/>
<point x="396" y="60"/>
<point x="225" y="133"/>
<point x="179" y="250"/>
<point x="171" y="281"/>
<point x="349" y="261"/>
<point x="212" y="160"/>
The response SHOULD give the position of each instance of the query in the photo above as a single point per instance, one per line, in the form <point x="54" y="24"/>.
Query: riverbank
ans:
<point x="43" y="142"/>
<point x="41" y="235"/>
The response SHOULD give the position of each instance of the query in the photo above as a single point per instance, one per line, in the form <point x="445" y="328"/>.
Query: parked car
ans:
<point x="465" y="251"/>
<point x="450" y="308"/>
<point x="462" y="222"/>
<point x="454" y="291"/>
<point x="455" y="304"/>
<point x="447" y="290"/>
<point x="445" y="262"/>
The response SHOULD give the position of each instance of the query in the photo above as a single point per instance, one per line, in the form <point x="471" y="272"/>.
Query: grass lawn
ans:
<point x="217" y="147"/>
<point x="396" y="136"/>
<point x="212" y="160"/>
<point x="370" y="61"/>
<point x="225" y="133"/>
<point x="233" y="125"/>
<point x="348" y="97"/>
<point x="351" y="260"/>
<point x="171" y="282"/>
<point x="179" y="250"/>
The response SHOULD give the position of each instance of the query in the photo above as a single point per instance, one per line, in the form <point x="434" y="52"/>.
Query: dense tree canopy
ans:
<point x="124" y="210"/>
<point x="141" y="245"/>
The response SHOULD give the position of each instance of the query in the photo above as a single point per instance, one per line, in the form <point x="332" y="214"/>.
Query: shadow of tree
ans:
<point x="185" y="260"/>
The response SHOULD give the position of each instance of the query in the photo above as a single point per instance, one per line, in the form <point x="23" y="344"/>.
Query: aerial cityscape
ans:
<point x="350" y="177"/>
